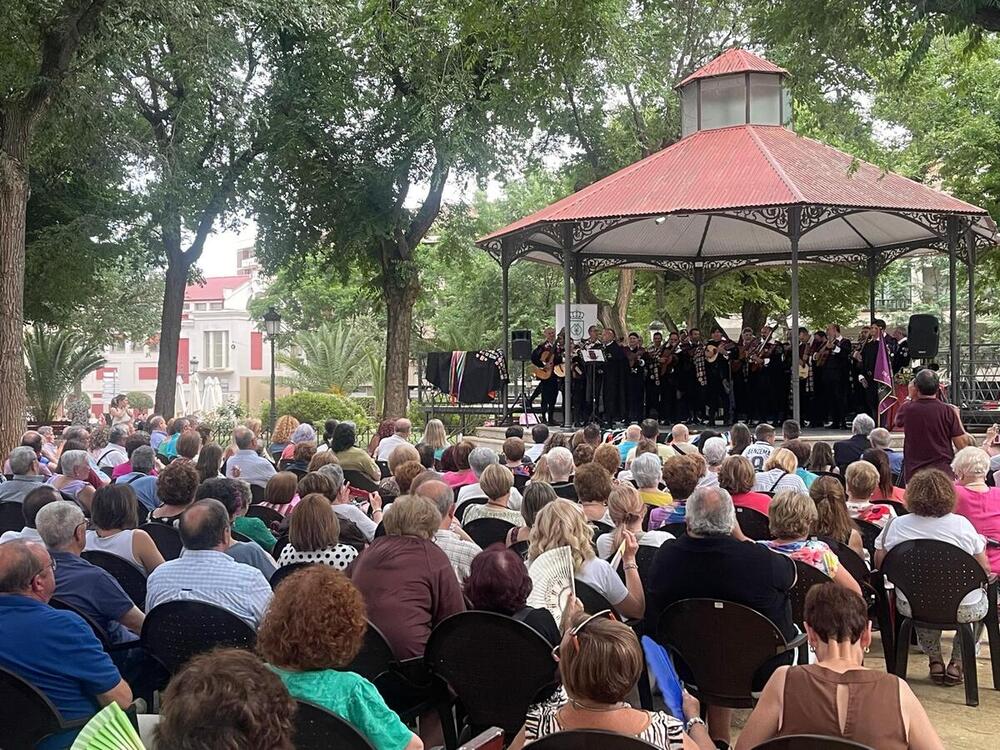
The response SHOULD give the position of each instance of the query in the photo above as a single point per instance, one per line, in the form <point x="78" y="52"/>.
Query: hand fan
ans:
<point x="662" y="668"/>
<point x="110" y="729"/>
<point x="552" y="581"/>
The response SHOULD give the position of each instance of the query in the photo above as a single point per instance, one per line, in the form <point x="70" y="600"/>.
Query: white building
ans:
<point x="218" y="339"/>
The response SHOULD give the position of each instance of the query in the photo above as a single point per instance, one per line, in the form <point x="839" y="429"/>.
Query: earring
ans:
<point x="812" y="648"/>
<point x="867" y="649"/>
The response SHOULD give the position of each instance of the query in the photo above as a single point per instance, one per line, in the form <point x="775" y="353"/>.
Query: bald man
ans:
<point x="401" y="436"/>
<point x="454" y="542"/>
<point x="53" y="649"/>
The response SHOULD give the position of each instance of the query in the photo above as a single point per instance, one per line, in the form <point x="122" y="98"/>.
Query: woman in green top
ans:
<point x="308" y="647"/>
<point x="235" y="495"/>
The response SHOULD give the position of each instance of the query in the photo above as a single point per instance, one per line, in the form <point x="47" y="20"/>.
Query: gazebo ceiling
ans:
<point x="720" y="196"/>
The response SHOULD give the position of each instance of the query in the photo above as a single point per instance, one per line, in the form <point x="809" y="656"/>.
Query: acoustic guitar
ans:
<point x="547" y="370"/>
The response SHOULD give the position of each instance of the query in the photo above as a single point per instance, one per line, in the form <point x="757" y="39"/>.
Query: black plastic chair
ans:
<point x="27" y="715"/>
<point x="268" y="515"/>
<point x="173" y="632"/>
<point x="742" y="639"/>
<point x="257" y="495"/>
<point x="316" y="728"/>
<point x="166" y="538"/>
<point x="753" y="524"/>
<point x="521" y="481"/>
<point x="934" y="577"/>
<point x="600" y="528"/>
<point x="806" y="576"/>
<point x="850" y="559"/>
<point x="383" y="467"/>
<point x="811" y="742"/>
<point x="299" y="473"/>
<point x="460" y="510"/>
<point x="644" y="557"/>
<point x="129" y="577"/>
<point x="360" y="480"/>
<point x="279" y="544"/>
<point x="593" y="601"/>
<point x="677" y="529"/>
<point x="894" y="504"/>
<point x="521" y="548"/>
<point x="487" y="531"/>
<point x="286" y="570"/>
<point x="491" y="689"/>
<point x="239" y="537"/>
<point x="11" y="516"/>
<point x="590" y="739"/>
<point x="869" y="533"/>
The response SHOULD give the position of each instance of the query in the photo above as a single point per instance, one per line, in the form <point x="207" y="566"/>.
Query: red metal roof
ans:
<point x="734" y="60"/>
<point x="743" y="166"/>
<point x="214" y="288"/>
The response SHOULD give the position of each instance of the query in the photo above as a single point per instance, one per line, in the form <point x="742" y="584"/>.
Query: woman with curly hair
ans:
<point x="310" y="649"/>
<point x="225" y="698"/>
<point x="562" y="524"/>
<point x="175" y="487"/>
<point x="350" y="456"/>
<point x="281" y="438"/>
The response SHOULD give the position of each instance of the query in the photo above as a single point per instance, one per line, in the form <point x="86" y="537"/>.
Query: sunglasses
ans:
<point x="575" y="631"/>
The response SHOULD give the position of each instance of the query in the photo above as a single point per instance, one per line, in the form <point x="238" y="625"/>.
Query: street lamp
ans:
<point x="194" y="365"/>
<point x="272" y="325"/>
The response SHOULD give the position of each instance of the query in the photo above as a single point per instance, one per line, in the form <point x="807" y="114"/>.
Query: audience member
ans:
<point x="633" y="434"/>
<point x="497" y="484"/>
<point x="479" y="459"/>
<point x="281" y="494"/>
<point x="681" y="475"/>
<point x="53" y="649"/>
<point x="976" y="501"/>
<point x="790" y="430"/>
<point x="304" y="433"/>
<point x="821" y="461"/>
<point x="838" y="696"/>
<point x="932" y="500"/>
<point x="647" y="471"/>
<point x="245" y="463"/>
<point x="27" y="475"/>
<point x="862" y="481"/>
<point x="321" y="458"/>
<point x="537" y="495"/>
<point x="400" y="436"/>
<point x="740" y="439"/>
<point x="930" y="427"/>
<point x="133" y="442"/>
<point x="848" y="451"/>
<point x="680" y="440"/>
<point x="737" y="477"/>
<point x="627" y="510"/>
<point x="205" y="572"/>
<point x="779" y="474"/>
<point x="801" y="450"/>
<point x="301" y="456"/>
<point x="562" y="524"/>
<point x="882" y="438"/>
<point x="281" y="438"/>
<point x="714" y="450"/>
<point x="607" y="455"/>
<point x="114" y="516"/>
<point x="175" y="487"/>
<point x="599" y="666"/>
<point x="350" y="456"/>
<point x="833" y="521"/>
<point x="188" y="445"/>
<point x="762" y="447"/>
<point x="561" y="467"/>
<point x="88" y="588"/>
<point x="650" y="430"/>
<point x="209" y="462"/>
<point x="254" y="552"/>
<point x="74" y="466"/>
<point x="583" y="454"/>
<point x="314" y="536"/>
<point x="455" y="543"/>
<point x="35" y="500"/>
<point x="884" y="490"/>
<point x="407" y="581"/>
<point x="436" y="437"/>
<point x="157" y="431"/>
<point x="226" y="698"/>
<point x="400" y="455"/>
<point x="513" y="454"/>
<point x="343" y="506"/>
<point x="114" y="452"/>
<point x="142" y="477"/>
<point x="539" y="434"/>
<point x="709" y="562"/>
<point x="593" y="485"/>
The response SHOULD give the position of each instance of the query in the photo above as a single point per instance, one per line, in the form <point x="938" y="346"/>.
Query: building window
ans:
<point x="214" y="305"/>
<point x="216" y="350"/>
<point x="187" y="306"/>
<point x="200" y="306"/>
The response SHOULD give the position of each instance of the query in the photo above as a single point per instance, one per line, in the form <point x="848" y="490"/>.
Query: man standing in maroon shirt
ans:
<point x="929" y="425"/>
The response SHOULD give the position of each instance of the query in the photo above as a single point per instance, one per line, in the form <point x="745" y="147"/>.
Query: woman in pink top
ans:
<point x="462" y="475"/>
<point x="736" y="475"/>
<point x="977" y="502"/>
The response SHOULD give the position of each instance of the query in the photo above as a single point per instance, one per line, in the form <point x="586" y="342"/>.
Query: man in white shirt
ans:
<point x="680" y="440"/>
<point x="344" y="506"/>
<point x="400" y="437"/>
<point x="114" y="452"/>
<point x="539" y="434"/>
<point x="252" y="468"/>
<point x="479" y="459"/>
<point x="763" y="446"/>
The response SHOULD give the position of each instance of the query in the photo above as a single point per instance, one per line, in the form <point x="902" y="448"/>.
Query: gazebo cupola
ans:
<point x="736" y="88"/>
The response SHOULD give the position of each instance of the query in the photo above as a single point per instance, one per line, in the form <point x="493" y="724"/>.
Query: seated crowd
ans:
<point x="648" y="523"/>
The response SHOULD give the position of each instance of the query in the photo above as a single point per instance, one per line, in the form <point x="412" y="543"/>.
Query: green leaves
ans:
<point x="333" y="359"/>
<point x="56" y="362"/>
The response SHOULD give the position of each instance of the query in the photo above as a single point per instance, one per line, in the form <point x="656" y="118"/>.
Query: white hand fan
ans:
<point x="552" y="581"/>
<point x="109" y="729"/>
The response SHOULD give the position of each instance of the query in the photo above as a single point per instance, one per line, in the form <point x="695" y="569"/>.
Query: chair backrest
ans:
<point x="316" y="728"/>
<point x="359" y="480"/>
<point x="383" y="468"/>
<point x="869" y="532"/>
<point x="265" y="514"/>
<point x="257" y="494"/>
<point x="897" y="506"/>
<point x="593" y="601"/>
<point x="460" y="510"/>
<point x="166" y="538"/>
<point x="521" y="481"/>
<point x="26" y="714"/>
<point x="590" y="739"/>
<point x="279" y="544"/>
<point x="487" y="531"/>
<point x="286" y="570"/>
<point x="239" y="537"/>
<point x="741" y="639"/>
<point x="934" y="577"/>
<point x="297" y="472"/>
<point x="850" y="559"/>
<point x="677" y="529"/>
<point x="129" y="577"/>
<point x="521" y="548"/>
<point x="496" y="665"/>
<point x="173" y="632"/>
<point x="600" y="528"/>
<point x="811" y="742"/>
<point x="753" y="523"/>
<point x="375" y="657"/>
<point x="11" y="516"/>
<point x="806" y="576"/>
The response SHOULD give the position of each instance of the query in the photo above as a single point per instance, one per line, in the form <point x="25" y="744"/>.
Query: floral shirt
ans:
<point x="810" y="551"/>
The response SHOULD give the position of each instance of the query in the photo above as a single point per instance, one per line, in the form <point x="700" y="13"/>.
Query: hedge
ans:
<point x="316" y="408"/>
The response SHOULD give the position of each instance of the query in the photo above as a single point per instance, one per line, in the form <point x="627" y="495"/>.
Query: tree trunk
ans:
<point x="754" y="315"/>
<point x="14" y="193"/>
<point x="612" y="314"/>
<point x="170" y="332"/>
<point x="660" y="290"/>
<point x="400" y="297"/>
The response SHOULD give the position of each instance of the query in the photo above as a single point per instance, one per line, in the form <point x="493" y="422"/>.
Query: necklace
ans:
<point x="583" y="707"/>
<point x="498" y="505"/>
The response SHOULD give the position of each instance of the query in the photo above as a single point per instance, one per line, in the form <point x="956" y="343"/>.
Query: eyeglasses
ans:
<point x="52" y="565"/>
<point x="575" y="631"/>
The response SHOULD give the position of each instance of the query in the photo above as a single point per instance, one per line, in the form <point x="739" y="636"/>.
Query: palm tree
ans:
<point x="56" y="363"/>
<point x="334" y="359"/>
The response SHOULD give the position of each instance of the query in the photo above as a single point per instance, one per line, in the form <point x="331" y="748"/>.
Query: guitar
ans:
<point x="548" y="368"/>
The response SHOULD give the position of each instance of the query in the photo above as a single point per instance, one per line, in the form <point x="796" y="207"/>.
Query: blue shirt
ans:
<point x="625" y="447"/>
<point x="253" y="468"/>
<point x="57" y="652"/>
<point x="155" y="438"/>
<point x="169" y="446"/>
<point x="895" y="461"/>
<point x="806" y="476"/>
<point x="93" y="591"/>
<point x="144" y="487"/>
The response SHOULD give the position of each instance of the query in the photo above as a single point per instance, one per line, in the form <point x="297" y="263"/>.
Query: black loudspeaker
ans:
<point x="520" y="345"/>
<point x="922" y="336"/>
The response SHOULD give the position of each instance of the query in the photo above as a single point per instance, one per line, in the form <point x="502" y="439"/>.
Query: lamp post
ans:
<point x="272" y="324"/>
<point x="194" y="365"/>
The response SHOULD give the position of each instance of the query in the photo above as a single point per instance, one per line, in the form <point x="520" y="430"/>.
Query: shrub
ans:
<point x="223" y="420"/>
<point x="139" y="400"/>
<point x="316" y="408"/>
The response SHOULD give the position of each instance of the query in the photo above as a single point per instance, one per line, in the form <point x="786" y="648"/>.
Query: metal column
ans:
<point x="953" y="309"/>
<point x="871" y="287"/>
<point x="794" y="231"/>
<point x="505" y="256"/>
<point x="970" y="255"/>
<point x="567" y="249"/>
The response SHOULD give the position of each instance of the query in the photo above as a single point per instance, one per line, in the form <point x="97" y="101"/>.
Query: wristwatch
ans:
<point x="692" y="721"/>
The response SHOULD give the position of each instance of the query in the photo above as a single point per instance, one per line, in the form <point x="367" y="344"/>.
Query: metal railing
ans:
<point x="978" y="379"/>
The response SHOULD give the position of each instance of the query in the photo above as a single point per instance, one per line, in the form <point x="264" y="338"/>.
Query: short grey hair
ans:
<point x="21" y="459"/>
<point x="971" y="462"/>
<point x="70" y="461"/>
<point x="560" y="462"/>
<point x="862" y="425"/>
<point x="57" y="522"/>
<point x="118" y="435"/>
<point x="647" y="470"/>
<point x="335" y="473"/>
<point x="480" y="458"/>
<point x="143" y="459"/>
<point x="439" y="493"/>
<point x="304" y="433"/>
<point x="714" y="450"/>
<point x="243" y="437"/>
<point x="710" y="512"/>
<point x="880" y="438"/>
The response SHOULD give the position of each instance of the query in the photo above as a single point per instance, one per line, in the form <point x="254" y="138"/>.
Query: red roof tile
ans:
<point x="214" y="288"/>
<point x="734" y="60"/>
